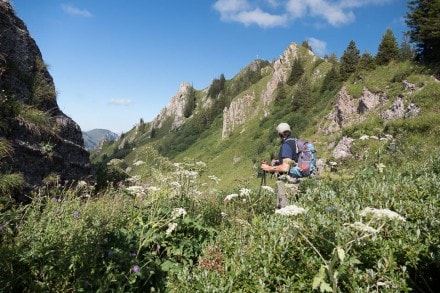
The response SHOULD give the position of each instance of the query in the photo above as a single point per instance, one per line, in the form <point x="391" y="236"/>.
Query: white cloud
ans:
<point x="120" y="102"/>
<point x="318" y="46"/>
<point x="74" y="11"/>
<point x="272" y="13"/>
<point x="260" y="18"/>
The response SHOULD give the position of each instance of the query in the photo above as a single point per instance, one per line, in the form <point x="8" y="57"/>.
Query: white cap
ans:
<point x="283" y="127"/>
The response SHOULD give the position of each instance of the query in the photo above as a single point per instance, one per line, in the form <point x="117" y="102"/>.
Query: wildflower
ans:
<point x="267" y="188"/>
<point x="201" y="164"/>
<point x="2" y="228"/>
<point x="230" y="196"/>
<point x="364" y="137"/>
<point x="177" y="212"/>
<point x="135" y="269"/>
<point x="171" y="228"/>
<point x="175" y="184"/>
<point x="138" y="163"/>
<point x="224" y="215"/>
<point x="54" y="199"/>
<point x="75" y="214"/>
<point x="214" y="178"/>
<point x="362" y="227"/>
<point x="245" y="191"/>
<point x="136" y="190"/>
<point x="133" y="254"/>
<point x="291" y="210"/>
<point x="381" y="213"/>
<point x="333" y="163"/>
<point x="153" y="188"/>
<point x="380" y="167"/>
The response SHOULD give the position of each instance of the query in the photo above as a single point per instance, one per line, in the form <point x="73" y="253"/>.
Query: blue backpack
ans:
<point x="306" y="164"/>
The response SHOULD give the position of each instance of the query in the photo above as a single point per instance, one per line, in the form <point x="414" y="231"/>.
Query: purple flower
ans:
<point x="135" y="269"/>
<point x="133" y="254"/>
<point x="2" y="228"/>
<point x="75" y="214"/>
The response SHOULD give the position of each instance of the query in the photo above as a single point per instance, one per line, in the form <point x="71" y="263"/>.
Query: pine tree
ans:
<point x="424" y="24"/>
<point x="349" y="61"/>
<point x="366" y="62"/>
<point x="296" y="73"/>
<point x="406" y="51"/>
<point x="388" y="49"/>
<point x="331" y="80"/>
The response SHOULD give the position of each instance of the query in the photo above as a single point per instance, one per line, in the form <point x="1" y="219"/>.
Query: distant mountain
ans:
<point x="94" y="137"/>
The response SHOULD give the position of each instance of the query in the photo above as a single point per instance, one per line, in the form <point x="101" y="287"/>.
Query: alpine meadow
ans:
<point x="177" y="204"/>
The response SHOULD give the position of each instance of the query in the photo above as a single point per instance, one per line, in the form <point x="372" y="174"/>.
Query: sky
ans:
<point x="116" y="62"/>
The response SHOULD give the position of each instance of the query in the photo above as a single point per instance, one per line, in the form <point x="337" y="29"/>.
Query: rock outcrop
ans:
<point x="45" y="141"/>
<point x="175" y="109"/>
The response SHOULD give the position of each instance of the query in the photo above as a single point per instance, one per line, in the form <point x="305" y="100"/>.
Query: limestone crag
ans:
<point x="238" y="112"/>
<point x="52" y="147"/>
<point x="175" y="109"/>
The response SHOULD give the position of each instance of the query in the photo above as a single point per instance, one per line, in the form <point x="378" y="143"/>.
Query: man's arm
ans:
<point x="284" y="167"/>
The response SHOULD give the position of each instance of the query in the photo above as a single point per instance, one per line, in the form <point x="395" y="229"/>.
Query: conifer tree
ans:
<point x="349" y="60"/>
<point x="190" y="104"/>
<point x="424" y="24"/>
<point x="296" y="73"/>
<point x="388" y="49"/>
<point x="406" y="51"/>
<point x="366" y="62"/>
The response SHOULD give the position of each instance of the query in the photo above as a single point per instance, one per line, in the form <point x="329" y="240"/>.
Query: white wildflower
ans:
<point x="177" y="212"/>
<point x="171" y="228"/>
<point x="138" y="163"/>
<point x="214" y="178"/>
<point x="332" y="163"/>
<point x="364" y="137"/>
<point x="175" y="184"/>
<point x="362" y="227"/>
<point x="267" y="188"/>
<point x="136" y="190"/>
<point x="133" y="178"/>
<point x="381" y="213"/>
<point x="82" y="183"/>
<point x="224" y="215"/>
<point x="244" y="191"/>
<point x="201" y="164"/>
<point x="153" y="188"/>
<point x="291" y="210"/>
<point x="230" y="196"/>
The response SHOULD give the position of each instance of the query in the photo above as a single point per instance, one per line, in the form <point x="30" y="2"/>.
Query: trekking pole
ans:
<point x="263" y="182"/>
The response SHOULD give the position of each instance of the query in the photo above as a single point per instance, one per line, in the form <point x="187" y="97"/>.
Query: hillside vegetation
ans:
<point x="178" y="206"/>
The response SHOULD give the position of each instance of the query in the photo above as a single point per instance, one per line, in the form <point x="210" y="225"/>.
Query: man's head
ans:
<point x="283" y="129"/>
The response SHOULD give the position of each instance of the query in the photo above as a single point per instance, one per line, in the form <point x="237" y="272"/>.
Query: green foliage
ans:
<point x="331" y="80"/>
<point x="406" y="51"/>
<point x="388" y="49"/>
<point x="296" y="72"/>
<point x="36" y="121"/>
<point x="217" y="86"/>
<point x="349" y="60"/>
<point x="367" y="62"/>
<point x="425" y="28"/>
<point x="190" y="104"/>
<point x="302" y="98"/>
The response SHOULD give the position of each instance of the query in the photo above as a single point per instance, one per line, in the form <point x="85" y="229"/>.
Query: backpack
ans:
<point x="306" y="164"/>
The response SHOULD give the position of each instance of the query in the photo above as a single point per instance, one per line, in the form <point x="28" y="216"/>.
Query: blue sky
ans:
<point x="115" y="62"/>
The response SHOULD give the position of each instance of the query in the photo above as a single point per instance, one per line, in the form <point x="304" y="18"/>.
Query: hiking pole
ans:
<point x="263" y="181"/>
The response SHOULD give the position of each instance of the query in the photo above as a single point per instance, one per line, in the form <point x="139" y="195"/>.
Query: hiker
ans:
<point x="288" y="153"/>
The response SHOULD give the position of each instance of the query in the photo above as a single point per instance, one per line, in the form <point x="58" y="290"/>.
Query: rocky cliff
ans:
<point x="46" y="143"/>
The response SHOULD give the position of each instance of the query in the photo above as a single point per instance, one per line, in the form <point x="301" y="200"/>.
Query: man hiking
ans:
<point x="287" y="154"/>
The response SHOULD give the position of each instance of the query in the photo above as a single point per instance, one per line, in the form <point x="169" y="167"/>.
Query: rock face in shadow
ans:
<point x="46" y="143"/>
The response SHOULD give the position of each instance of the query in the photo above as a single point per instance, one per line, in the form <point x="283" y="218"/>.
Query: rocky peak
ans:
<point x="52" y="145"/>
<point x="175" y="109"/>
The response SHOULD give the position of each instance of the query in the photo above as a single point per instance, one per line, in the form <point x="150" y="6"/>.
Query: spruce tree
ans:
<point x="366" y="62"/>
<point x="296" y="73"/>
<point x="424" y="24"/>
<point x="406" y="51"/>
<point x="388" y="49"/>
<point x="349" y="61"/>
